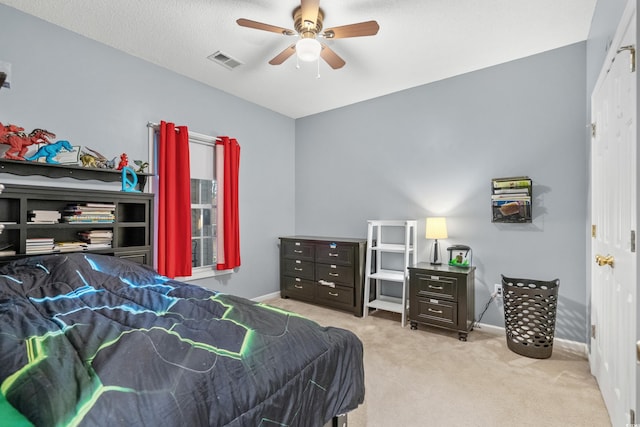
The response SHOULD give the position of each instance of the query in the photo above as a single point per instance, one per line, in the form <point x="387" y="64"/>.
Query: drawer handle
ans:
<point x="332" y="254"/>
<point x="436" y="287"/>
<point x="333" y="294"/>
<point x="334" y="274"/>
<point x="297" y="269"/>
<point x="435" y="311"/>
<point x="297" y="251"/>
<point x="298" y="286"/>
<point x="325" y="283"/>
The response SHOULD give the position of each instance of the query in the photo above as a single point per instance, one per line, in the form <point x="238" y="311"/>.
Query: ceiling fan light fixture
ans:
<point x="308" y="49"/>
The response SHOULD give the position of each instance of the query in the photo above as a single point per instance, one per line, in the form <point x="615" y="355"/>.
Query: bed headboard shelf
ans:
<point x="27" y="168"/>
<point x="132" y="226"/>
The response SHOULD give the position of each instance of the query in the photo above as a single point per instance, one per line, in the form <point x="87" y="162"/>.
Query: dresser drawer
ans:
<point x="298" y="268"/>
<point x="296" y="249"/>
<point x="434" y="311"/>
<point x="432" y="286"/>
<point x="334" y="253"/>
<point x="338" y="295"/>
<point x="340" y="274"/>
<point x="298" y="288"/>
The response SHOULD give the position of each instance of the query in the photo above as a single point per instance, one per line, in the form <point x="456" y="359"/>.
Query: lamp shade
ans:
<point x="308" y="49"/>
<point x="436" y="228"/>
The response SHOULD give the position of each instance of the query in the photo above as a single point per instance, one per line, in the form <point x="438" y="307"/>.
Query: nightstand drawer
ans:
<point x="334" y="253"/>
<point x="335" y="273"/>
<point x="338" y="295"/>
<point x="439" y="287"/>
<point x="298" y="288"/>
<point x="432" y="310"/>
<point x="298" y="250"/>
<point x="298" y="268"/>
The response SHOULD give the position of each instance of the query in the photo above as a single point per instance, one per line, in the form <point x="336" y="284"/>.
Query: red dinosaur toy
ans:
<point x="19" y="142"/>
<point x="124" y="161"/>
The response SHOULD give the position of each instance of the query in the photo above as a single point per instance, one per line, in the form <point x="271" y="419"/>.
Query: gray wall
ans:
<point x="432" y="150"/>
<point x="102" y="98"/>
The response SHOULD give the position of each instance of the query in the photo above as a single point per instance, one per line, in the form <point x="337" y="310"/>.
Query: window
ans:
<point x="203" y="226"/>
<point x="203" y="203"/>
<point x="203" y="206"/>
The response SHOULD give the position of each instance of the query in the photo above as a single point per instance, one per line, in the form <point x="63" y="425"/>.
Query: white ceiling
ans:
<point x="420" y="41"/>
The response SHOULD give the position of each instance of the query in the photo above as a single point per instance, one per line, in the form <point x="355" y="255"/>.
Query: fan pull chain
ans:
<point x="318" y="76"/>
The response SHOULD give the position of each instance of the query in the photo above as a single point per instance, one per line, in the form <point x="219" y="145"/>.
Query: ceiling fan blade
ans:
<point x="368" y="28"/>
<point x="284" y="55"/>
<point x="331" y="57"/>
<point x="309" y="10"/>
<point x="265" y="27"/>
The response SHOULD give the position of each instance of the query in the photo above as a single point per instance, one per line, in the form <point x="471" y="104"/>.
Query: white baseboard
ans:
<point x="267" y="297"/>
<point x="574" y="346"/>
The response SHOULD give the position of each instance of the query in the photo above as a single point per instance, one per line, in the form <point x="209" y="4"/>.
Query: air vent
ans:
<point x="224" y="60"/>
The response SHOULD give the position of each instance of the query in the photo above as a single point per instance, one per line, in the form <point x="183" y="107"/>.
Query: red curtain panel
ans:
<point x="229" y="229"/>
<point x="174" y="201"/>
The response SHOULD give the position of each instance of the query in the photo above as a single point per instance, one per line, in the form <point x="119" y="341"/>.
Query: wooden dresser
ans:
<point x="326" y="271"/>
<point x="442" y="296"/>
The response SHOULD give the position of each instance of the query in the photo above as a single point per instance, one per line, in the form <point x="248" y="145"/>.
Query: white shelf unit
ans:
<point x="379" y="235"/>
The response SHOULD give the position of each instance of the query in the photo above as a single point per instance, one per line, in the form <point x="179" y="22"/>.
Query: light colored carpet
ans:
<point x="427" y="377"/>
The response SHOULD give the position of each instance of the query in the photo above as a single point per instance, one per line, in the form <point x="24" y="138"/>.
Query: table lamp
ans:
<point x="436" y="228"/>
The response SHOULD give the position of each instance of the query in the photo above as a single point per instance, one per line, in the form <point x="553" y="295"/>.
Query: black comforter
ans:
<point x="93" y="340"/>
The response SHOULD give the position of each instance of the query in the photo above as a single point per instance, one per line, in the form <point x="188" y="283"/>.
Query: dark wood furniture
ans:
<point x="132" y="229"/>
<point x="327" y="271"/>
<point x="442" y="296"/>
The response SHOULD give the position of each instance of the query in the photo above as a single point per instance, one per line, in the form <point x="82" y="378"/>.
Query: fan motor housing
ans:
<point x="306" y="29"/>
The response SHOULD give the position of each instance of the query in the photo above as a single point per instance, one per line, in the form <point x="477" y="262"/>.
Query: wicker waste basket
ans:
<point x="530" y="315"/>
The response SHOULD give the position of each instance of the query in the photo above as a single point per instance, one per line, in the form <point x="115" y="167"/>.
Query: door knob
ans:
<point x="604" y="260"/>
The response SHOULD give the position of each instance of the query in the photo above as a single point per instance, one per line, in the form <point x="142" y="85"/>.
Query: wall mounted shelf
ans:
<point x="27" y="168"/>
<point x="511" y="199"/>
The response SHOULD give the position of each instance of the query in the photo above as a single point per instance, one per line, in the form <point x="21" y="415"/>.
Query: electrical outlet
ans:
<point x="497" y="290"/>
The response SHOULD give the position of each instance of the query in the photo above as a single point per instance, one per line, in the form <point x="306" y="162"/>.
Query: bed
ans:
<point x="92" y="340"/>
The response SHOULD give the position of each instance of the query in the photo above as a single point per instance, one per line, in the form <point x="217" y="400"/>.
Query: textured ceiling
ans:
<point x="420" y="41"/>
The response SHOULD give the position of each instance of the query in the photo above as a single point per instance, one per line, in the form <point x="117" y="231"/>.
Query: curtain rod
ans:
<point x="192" y="135"/>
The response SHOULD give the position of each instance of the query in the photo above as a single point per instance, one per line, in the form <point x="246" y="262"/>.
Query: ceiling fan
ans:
<point x="308" y="19"/>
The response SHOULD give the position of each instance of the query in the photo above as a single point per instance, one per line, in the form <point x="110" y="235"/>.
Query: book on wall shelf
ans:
<point x="511" y="199"/>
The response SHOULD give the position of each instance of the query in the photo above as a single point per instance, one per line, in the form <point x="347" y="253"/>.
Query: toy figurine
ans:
<point x="141" y="165"/>
<point x="50" y="151"/>
<point x="96" y="160"/>
<point x="124" y="161"/>
<point x="19" y="142"/>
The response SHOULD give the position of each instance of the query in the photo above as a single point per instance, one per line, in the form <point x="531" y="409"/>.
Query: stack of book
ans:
<point x="69" y="246"/>
<point x="39" y="245"/>
<point x="43" y="217"/>
<point x="96" y="238"/>
<point x="89" y="212"/>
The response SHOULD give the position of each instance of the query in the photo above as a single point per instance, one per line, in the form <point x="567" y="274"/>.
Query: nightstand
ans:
<point x="442" y="296"/>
